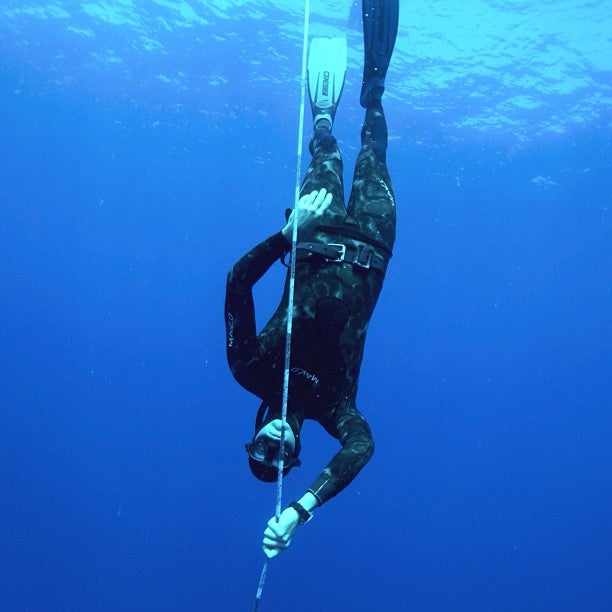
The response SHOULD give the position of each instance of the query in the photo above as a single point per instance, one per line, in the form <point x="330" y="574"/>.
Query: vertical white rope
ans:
<point x="298" y="172"/>
<point x="287" y="369"/>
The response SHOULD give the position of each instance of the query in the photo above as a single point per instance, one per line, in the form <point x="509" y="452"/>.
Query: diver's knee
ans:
<point x="322" y="138"/>
<point x="380" y="151"/>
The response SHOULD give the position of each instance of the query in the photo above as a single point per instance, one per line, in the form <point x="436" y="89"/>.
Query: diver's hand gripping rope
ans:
<point x="298" y="171"/>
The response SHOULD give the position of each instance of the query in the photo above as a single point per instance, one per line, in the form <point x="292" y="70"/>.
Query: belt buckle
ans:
<point x="363" y="257"/>
<point x="341" y="254"/>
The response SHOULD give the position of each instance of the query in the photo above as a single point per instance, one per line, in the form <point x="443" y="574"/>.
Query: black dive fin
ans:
<point x="380" y="19"/>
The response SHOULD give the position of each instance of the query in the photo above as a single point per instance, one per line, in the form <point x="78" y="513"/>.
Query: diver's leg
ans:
<point x="372" y="203"/>
<point x="325" y="172"/>
<point x="326" y="70"/>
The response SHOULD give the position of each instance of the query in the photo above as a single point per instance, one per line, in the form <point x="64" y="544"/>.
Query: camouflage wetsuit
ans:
<point x="333" y="306"/>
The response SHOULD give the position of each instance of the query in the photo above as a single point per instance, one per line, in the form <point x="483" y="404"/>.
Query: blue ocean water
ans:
<point x="145" y="147"/>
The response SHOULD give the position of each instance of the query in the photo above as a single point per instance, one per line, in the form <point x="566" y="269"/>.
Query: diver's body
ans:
<point x="333" y="304"/>
<point x="342" y="259"/>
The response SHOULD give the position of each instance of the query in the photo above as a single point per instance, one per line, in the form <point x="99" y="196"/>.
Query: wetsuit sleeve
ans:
<point x="357" y="448"/>
<point x="241" y="336"/>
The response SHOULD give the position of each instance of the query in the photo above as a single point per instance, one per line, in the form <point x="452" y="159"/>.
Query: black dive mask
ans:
<point x="263" y="459"/>
<point x="266" y="451"/>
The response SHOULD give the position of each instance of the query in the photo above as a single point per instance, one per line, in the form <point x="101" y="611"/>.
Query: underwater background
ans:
<point x="144" y="147"/>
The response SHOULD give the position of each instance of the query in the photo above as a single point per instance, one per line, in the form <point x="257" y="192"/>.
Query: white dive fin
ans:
<point x="326" y="69"/>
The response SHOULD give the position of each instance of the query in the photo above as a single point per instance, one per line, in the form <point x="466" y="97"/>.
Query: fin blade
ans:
<point x="327" y="62"/>
<point x="380" y="24"/>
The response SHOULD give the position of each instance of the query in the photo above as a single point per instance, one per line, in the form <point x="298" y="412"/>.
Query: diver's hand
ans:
<point x="277" y="536"/>
<point x="310" y="209"/>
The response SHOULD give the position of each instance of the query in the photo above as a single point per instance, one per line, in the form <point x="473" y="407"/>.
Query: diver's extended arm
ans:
<point x="355" y="435"/>
<point x="357" y="448"/>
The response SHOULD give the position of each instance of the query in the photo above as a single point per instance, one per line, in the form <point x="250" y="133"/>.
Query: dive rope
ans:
<point x="298" y="172"/>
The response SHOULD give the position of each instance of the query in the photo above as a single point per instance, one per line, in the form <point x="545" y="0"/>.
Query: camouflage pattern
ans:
<point x="325" y="354"/>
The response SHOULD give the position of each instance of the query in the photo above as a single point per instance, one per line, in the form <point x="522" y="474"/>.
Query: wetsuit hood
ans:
<point x="263" y="470"/>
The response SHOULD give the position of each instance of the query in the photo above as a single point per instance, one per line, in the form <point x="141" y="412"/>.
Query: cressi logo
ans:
<point x="325" y="88"/>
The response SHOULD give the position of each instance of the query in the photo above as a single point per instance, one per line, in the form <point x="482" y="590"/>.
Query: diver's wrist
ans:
<point x="303" y="515"/>
<point x="308" y="501"/>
